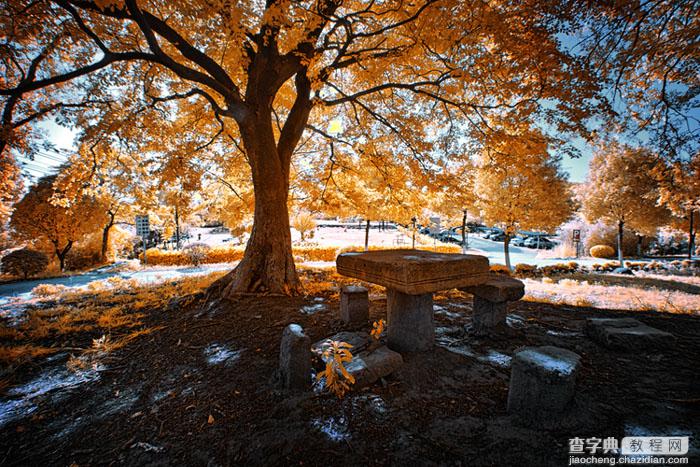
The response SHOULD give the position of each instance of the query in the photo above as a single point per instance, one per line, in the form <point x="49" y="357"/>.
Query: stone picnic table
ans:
<point x="412" y="276"/>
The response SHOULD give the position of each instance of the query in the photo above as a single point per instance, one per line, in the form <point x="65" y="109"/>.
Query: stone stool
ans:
<point x="491" y="302"/>
<point x="354" y="305"/>
<point x="542" y="381"/>
<point x="295" y="358"/>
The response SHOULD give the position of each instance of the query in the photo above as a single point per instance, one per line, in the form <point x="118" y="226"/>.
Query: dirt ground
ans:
<point x="200" y="391"/>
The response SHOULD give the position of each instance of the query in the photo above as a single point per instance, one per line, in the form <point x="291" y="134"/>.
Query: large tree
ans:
<point x="40" y="214"/>
<point x="621" y="189"/>
<point x="259" y="73"/>
<point x="518" y="185"/>
<point x="680" y="192"/>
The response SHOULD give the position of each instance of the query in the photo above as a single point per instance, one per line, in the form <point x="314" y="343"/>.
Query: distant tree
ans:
<point x="621" y="189"/>
<point x="304" y="222"/>
<point x="680" y="191"/>
<point x="40" y="215"/>
<point x="456" y="198"/>
<point x="24" y="263"/>
<point x="520" y="186"/>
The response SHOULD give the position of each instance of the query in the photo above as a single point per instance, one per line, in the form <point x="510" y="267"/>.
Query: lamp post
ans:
<point x="465" y="238"/>
<point x="413" y="221"/>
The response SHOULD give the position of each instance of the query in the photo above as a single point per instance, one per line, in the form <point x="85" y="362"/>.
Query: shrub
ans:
<point x="338" y="380"/>
<point x="48" y="290"/>
<point x="500" y="269"/>
<point x="196" y="253"/>
<point x="304" y="222"/>
<point x="525" y="269"/>
<point x="602" y="251"/>
<point x="24" y="263"/>
<point x="157" y="257"/>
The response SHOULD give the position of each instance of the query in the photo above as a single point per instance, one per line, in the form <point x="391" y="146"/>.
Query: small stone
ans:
<point x="368" y="367"/>
<point x="358" y="340"/>
<point x="354" y="305"/>
<point x="622" y="271"/>
<point x="295" y="358"/>
<point x="542" y="382"/>
<point x="626" y="333"/>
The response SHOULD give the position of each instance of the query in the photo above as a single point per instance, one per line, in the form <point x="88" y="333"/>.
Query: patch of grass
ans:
<point x="607" y="295"/>
<point x="16" y="354"/>
<point x="114" y="308"/>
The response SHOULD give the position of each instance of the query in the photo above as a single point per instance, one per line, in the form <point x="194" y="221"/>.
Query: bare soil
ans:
<point x="201" y="391"/>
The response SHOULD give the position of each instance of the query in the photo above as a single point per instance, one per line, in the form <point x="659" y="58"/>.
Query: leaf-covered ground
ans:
<point x="194" y="386"/>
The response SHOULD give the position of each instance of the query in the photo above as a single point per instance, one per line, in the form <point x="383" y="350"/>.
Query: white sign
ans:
<point x="655" y="445"/>
<point x="143" y="229"/>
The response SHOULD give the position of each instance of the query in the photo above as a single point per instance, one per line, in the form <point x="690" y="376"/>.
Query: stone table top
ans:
<point x="414" y="272"/>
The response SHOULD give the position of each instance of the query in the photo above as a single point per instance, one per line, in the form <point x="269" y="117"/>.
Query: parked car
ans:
<point x="492" y="233"/>
<point x="542" y="243"/>
<point x="447" y="235"/>
<point x="518" y="241"/>
<point x="498" y="237"/>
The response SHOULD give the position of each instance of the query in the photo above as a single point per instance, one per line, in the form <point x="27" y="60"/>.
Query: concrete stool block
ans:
<point x="354" y="304"/>
<point x="542" y="381"/>
<point x="627" y="334"/>
<point x="295" y="358"/>
<point x="491" y="301"/>
<point x="498" y="288"/>
<point x="410" y="326"/>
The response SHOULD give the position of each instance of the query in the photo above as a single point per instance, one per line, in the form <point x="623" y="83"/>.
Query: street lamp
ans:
<point x="413" y="221"/>
<point x="465" y="237"/>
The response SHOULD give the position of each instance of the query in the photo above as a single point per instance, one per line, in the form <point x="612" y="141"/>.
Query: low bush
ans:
<point x="24" y="263"/>
<point x="196" y="253"/>
<point x="47" y="290"/>
<point x="157" y="257"/>
<point x="523" y="269"/>
<point x="602" y="251"/>
<point x="500" y="269"/>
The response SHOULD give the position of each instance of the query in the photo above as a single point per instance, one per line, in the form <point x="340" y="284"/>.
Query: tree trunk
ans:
<point x="267" y="266"/>
<point x="105" y="237"/>
<point x="506" y="250"/>
<point x="62" y="253"/>
<point x="620" y="226"/>
<point x="367" y="235"/>
<point x="640" y="238"/>
<point x="177" y="228"/>
<point x="691" y="235"/>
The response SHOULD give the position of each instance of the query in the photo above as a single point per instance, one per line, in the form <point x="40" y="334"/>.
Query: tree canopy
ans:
<point x="249" y="88"/>
<point x="41" y="215"/>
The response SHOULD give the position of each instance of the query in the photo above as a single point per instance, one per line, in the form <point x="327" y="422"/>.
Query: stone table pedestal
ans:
<point x="409" y="324"/>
